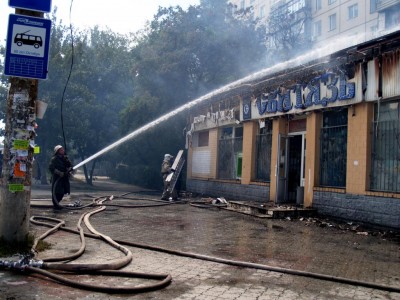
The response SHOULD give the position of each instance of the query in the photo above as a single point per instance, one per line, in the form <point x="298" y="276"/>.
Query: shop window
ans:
<point x="239" y="132"/>
<point x="385" y="161"/>
<point x="333" y="151"/>
<point x="263" y="153"/>
<point x="226" y="133"/>
<point x="203" y="139"/>
<point x="230" y="147"/>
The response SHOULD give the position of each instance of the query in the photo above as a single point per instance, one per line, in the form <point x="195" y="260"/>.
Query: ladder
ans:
<point x="172" y="178"/>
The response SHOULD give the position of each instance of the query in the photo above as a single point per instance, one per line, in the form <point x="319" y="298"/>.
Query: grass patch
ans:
<point x="42" y="246"/>
<point x="24" y="247"/>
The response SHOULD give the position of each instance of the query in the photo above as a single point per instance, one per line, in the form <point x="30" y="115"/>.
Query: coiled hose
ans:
<point x="111" y="268"/>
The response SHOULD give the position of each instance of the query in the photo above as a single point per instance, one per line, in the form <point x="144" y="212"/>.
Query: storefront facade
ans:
<point x="325" y="134"/>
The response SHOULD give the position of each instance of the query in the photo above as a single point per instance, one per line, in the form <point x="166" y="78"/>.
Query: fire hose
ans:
<point x="241" y="263"/>
<point x="77" y="205"/>
<point x="112" y="269"/>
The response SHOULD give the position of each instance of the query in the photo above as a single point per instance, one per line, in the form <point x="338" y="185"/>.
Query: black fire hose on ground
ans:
<point x="57" y="205"/>
<point x="109" y="269"/>
<point x="247" y="264"/>
<point x="240" y="263"/>
<point x="165" y="280"/>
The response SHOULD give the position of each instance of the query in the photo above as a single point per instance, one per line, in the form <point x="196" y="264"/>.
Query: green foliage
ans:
<point x="119" y="83"/>
<point x="181" y="56"/>
<point x="288" y="32"/>
<point x="99" y="88"/>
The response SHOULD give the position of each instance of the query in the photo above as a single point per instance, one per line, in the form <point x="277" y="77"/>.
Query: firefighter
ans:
<point x="60" y="168"/>
<point x="165" y="171"/>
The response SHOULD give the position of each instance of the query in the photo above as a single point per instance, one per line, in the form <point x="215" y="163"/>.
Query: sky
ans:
<point x="120" y="16"/>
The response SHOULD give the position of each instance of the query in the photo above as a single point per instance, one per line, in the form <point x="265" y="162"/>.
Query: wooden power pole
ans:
<point x="15" y="183"/>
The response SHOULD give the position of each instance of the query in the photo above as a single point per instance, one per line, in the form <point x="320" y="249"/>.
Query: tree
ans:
<point x="99" y="87"/>
<point x="288" y="29"/>
<point x="182" y="55"/>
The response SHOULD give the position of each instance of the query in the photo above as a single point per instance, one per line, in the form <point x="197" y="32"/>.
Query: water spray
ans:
<point x="338" y="44"/>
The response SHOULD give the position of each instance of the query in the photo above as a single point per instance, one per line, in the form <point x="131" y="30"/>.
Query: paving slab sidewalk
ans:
<point x="301" y="245"/>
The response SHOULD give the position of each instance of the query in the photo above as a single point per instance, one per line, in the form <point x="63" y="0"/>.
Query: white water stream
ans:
<point x="324" y="51"/>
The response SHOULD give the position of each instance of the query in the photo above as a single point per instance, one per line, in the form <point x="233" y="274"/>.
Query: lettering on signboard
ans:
<point x="304" y="96"/>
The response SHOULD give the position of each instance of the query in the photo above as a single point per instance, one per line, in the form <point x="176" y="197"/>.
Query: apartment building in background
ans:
<point x="354" y="20"/>
<point x="260" y="8"/>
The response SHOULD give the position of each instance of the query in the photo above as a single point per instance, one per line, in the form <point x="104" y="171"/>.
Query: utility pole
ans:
<point x="16" y="180"/>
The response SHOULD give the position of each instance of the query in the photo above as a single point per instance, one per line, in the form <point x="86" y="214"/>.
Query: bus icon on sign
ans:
<point x="28" y="39"/>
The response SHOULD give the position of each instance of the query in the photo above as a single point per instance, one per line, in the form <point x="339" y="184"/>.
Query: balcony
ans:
<point x="385" y="4"/>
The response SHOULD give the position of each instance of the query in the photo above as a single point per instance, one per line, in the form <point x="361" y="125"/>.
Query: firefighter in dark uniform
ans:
<point x="60" y="167"/>
<point x="165" y="171"/>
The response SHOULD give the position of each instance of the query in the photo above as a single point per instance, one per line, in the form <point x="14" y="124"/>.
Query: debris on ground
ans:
<point x="209" y="200"/>
<point x="358" y="229"/>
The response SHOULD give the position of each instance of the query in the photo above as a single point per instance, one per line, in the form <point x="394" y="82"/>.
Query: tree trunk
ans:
<point x="43" y="168"/>
<point x="92" y="171"/>
<point x="87" y="178"/>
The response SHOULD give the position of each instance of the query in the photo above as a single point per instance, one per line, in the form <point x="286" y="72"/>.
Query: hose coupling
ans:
<point x="21" y="264"/>
<point x="77" y="203"/>
<point x="11" y="264"/>
<point x="36" y="263"/>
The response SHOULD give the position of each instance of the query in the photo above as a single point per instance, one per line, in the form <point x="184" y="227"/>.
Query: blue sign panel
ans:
<point x="28" y="41"/>
<point x="41" y="5"/>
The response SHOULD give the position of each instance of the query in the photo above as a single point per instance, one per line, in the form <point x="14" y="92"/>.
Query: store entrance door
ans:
<point x="296" y="168"/>
<point x="290" y="168"/>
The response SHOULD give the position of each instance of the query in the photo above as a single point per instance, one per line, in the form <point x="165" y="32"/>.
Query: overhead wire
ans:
<point x="69" y="74"/>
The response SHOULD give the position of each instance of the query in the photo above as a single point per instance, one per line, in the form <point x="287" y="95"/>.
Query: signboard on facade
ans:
<point x="28" y="41"/>
<point x="327" y="90"/>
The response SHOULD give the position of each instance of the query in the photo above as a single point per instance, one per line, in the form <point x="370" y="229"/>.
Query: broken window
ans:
<point x="333" y="149"/>
<point x="263" y="152"/>
<point x="385" y="172"/>
<point x="230" y="147"/>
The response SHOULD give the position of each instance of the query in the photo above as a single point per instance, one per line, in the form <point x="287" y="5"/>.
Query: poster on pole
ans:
<point x="27" y="53"/>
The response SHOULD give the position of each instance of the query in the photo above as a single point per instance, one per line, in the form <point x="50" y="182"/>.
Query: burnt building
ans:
<point x="319" y="131"/>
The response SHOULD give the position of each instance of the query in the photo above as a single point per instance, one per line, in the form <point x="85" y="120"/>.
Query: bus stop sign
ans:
<point x="27" y="52"/>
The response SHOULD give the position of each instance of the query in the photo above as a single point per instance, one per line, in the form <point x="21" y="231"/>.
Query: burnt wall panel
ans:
<point x="391" y="74"/>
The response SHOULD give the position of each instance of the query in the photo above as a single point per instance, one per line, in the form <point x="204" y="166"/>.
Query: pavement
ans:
<point x="312" y="245"/>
